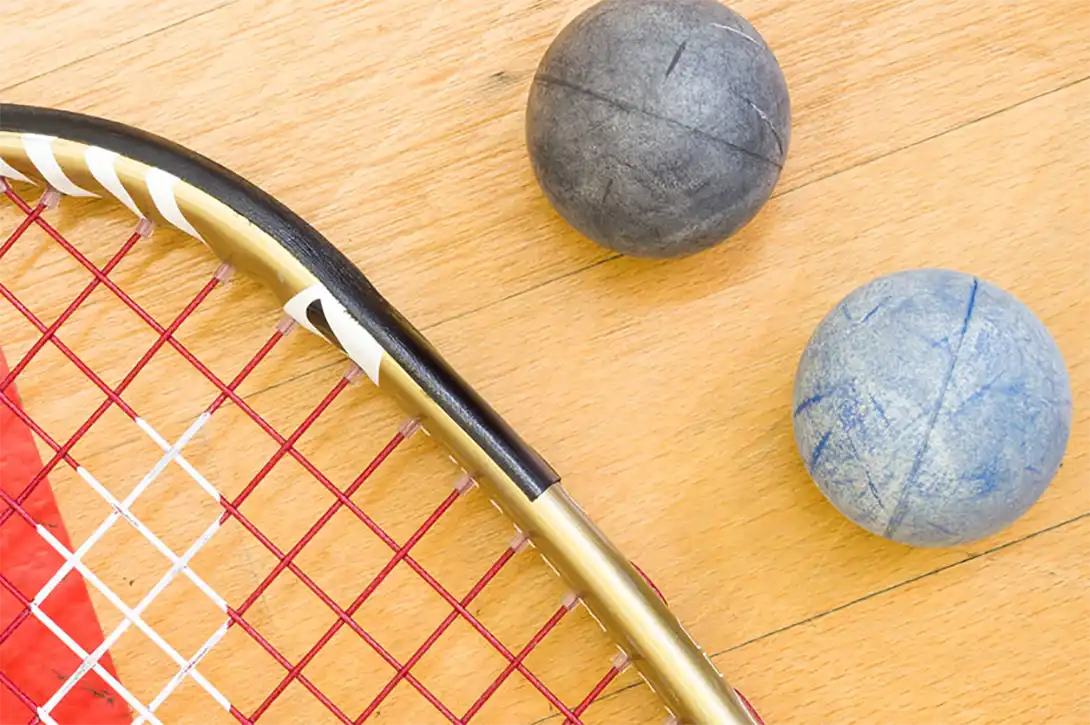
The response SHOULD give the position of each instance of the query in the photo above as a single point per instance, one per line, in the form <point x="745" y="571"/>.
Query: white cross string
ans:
<point x="178" y="564"/>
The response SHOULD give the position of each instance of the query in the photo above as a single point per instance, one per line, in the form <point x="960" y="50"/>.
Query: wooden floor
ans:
<point x="926" y="133"/>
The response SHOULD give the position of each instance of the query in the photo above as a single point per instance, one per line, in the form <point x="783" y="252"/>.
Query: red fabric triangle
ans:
<point x="32" y="657"/>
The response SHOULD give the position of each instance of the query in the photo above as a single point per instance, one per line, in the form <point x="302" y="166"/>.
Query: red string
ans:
<point x="52" y="334"/>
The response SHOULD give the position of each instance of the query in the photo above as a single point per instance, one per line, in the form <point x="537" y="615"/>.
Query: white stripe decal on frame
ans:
<point x="39" y="149"/>
<point x="296" y="307"/>
<point x="9" y="173"/>
<point x="161" y="185"/>
<point x="100" y="162"/>
<point x="361" y="347"/>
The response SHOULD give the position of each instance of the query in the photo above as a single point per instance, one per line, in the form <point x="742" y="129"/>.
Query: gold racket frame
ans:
<point x="615" y="593"/>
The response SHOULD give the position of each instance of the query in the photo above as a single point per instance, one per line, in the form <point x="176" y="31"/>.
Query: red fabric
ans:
<point x="32" y="657"/>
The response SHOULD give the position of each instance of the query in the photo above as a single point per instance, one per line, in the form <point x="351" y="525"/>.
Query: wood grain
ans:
<point x="925" y="133"/>
<point x="398" y="131"/>
<point x="32" y="33"/>
<point x="912" y="654"/>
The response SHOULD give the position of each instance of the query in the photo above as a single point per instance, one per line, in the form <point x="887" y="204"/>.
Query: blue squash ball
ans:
<point x="931" y="407"/>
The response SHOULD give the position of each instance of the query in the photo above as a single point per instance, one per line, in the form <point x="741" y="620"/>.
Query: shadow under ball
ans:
<point x="658" y="128"/>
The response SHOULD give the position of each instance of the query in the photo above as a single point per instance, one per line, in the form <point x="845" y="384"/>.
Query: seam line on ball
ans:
<point x="547" y="79"/>
<point x="902" y="502"/>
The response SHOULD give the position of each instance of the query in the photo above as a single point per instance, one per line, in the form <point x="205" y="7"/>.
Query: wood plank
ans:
<point x="986" y="641"/>
<point x="869" y="78"/>
<point x="398" y="130"/>
<point x="40" y="37"/>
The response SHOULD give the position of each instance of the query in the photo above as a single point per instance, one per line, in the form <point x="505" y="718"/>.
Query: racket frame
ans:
<point x="51" y="149"/>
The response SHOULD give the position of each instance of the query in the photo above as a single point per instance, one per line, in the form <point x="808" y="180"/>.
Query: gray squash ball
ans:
<point x="932" y="407"/>
<point x="658" y="128"/>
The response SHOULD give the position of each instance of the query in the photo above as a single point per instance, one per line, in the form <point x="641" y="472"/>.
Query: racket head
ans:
<point x="320" y="290"/>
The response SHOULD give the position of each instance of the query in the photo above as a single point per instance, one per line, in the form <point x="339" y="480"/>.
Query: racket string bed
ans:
<point x="34" y="216"/>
